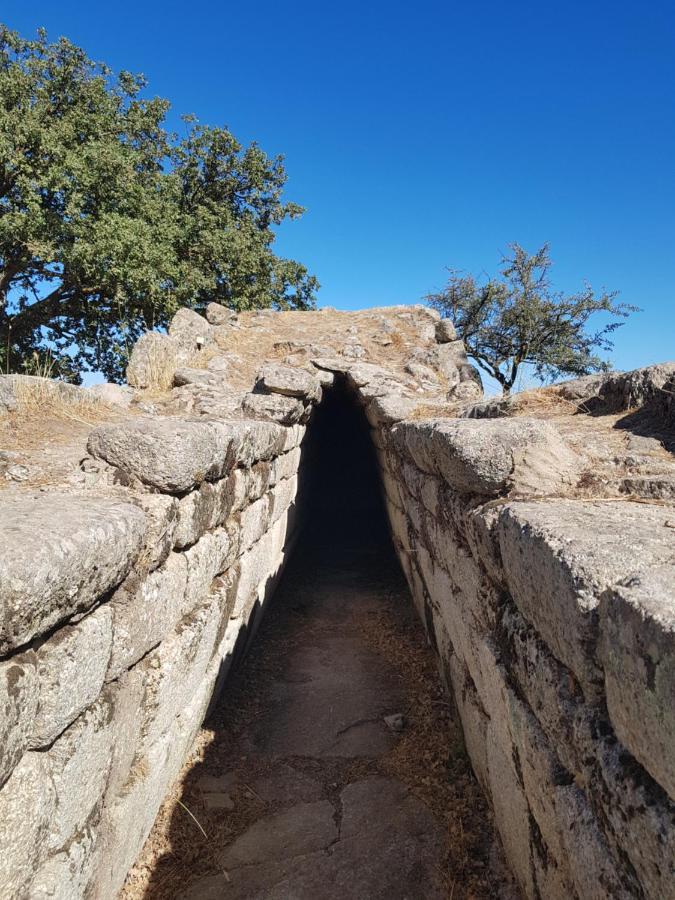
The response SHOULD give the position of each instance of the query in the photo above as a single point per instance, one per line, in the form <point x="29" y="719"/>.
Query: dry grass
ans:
<point x="42" y="397"/>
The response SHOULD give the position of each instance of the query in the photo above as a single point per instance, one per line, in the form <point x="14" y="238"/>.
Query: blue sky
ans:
<point x="432" y="134"/>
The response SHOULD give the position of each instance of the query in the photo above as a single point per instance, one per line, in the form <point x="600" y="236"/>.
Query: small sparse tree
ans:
<point x="519" y="319"/>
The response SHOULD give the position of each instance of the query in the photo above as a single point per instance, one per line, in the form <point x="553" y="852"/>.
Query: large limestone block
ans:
<point x="161" y="513"/>
<point x="191" y="331"/>
<point x="490" y="457"/>
<point x="637" y="650"/>
<point x="569" y="837"/>
<point x="65" y="875"/>
<point x="445" y="331"/>
<point x="144" y="611"/>
<point x="290" y="381"/>
<point x="172" y="455"/>
<point x="78" y="764"/>
<point x="274" y="407"/>
<point x="18" y="706"/>
<point x="153" y="361"/>
<point x="217" y="314"/>
<point x="211" y="555"/>
<point x="510" y="808"/>
<point x="640" y="818"/>
<point x="175" y="670"/>
<point x="258" y="441"/>
<point x="27" y="804"/>
<point x="560" y="556"/>
<point x="71" y="668"/>
<point x="60" y="552"/>
<point x="196" y="512"/>
<point x="549" y="688"/>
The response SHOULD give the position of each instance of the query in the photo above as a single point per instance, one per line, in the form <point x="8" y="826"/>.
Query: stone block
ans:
<point x="191" y="331"/>
<point x="18" y="706"/>
<point x="78" y="764"/>
<point x="637" y="651"/>
<point x="154" y="359"/>
<point x="560" y="556"/>
<point x="161" y="515"/>
<point x="289" y="381"/>
<point x="27" y="805"/>
<point x="61" y="552"/>
<point x="71" y="667"/>
<point x="510" y="809"/>
<point x="172" y="455"/>
<point x="144" y="610"/>
<point x="174" y="670"/>
<point x="274" y="408"/>
<point x="196" y="511"/>
<point x="492" y="457"/>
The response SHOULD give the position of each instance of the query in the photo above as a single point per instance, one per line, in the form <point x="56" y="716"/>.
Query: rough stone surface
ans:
<point x="71" y="667"/>
<point x="274" y="407"/>
<point x="289" y="381"/>
<point x="490" y="457"/>
<point x="217" y="314"/>
<point x="637" y="650"/>
<point x="560" y="557"/>
<point x="191" y="331"/>
<point x="145" y="611"/>
<point x="27" y="805"/>
<point x="445" y="331"/>
<point x="172" y="455"/>
<point x="18" y="705"/>
<point x="153" y="361"/>
<point x="113" y="394"/>
<point x="60" y="553"/>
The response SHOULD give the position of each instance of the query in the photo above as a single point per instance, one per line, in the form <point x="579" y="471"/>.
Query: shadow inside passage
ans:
<point x="339" y="648"/>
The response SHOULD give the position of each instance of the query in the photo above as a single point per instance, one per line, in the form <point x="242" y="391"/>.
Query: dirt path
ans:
<point x="302" y="786"/>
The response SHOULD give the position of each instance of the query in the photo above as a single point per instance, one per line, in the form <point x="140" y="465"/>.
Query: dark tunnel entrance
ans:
<point x="343" y="503"/>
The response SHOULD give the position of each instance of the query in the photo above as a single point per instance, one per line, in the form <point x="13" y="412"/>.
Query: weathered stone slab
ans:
<point x="174" y="671"/>
<point x="560" y="556"/>
<point x="273" y="407"/>
<point x="172" y="455"/>
<point x="60" y="553"/>
<point x="27" y="803"/>
<point x="18" y="705"/>
<point x="290" y="381"/>
<point x="196" y="512"/>
<point x="71" y="667"/>
<point x="637" y="650"/>
<point x="217" y="314"/>
<point x="191" y="331"/>
<point x="144" y="611"/>
<point x="161" y="514"/>
<point x="490" y="457"/>
<point x="78" y="764"/>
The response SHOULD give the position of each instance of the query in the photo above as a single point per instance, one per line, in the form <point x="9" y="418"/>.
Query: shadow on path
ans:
<point x="334" y="766"/>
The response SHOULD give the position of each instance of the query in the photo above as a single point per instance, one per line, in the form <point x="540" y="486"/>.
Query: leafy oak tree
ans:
<point x="519" y="319"/>
<point x="108" y="221"/>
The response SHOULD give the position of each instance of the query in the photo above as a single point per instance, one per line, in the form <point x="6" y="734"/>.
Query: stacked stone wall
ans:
<point x="554" y="624"/>
<point x="122" y="612"/>
<point x="125" y="601"/>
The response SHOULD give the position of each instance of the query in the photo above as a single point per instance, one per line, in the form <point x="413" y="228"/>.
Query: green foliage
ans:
<point x="519" y="319"/>
<point x="108" y="222"/>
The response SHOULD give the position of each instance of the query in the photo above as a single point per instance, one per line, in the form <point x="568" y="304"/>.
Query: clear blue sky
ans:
<point x="430" y="134"/>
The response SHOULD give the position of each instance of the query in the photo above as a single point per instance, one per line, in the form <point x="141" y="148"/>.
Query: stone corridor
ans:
<point x="334" y="767"/>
